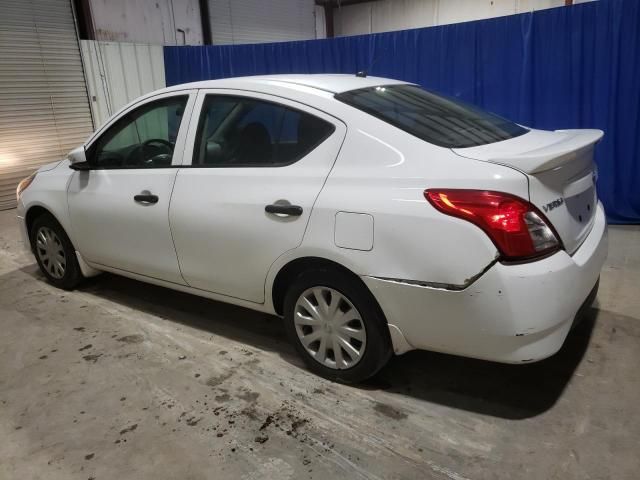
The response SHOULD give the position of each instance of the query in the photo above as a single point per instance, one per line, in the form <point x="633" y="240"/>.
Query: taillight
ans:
<point x="516" y="227"/>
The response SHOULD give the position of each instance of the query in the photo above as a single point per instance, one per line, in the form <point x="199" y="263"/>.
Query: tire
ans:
<point x="53" y="246"/>
<point x="354" y="302"/>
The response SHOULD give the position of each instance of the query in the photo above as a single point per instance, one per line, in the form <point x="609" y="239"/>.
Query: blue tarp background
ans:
<point x="575" y="67"/>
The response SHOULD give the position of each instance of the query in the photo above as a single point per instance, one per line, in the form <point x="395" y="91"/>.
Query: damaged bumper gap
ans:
<point x="438" y="285"/>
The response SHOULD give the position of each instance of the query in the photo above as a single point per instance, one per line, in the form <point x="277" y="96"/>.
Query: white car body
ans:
<point x="438" y="279"/>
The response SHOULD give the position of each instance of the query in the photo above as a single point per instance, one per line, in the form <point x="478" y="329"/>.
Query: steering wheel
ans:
<point x="161" y="141"/>
<point x="136" y="157"/>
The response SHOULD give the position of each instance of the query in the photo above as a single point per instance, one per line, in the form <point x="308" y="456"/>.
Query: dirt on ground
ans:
<point x="120" y="379"/>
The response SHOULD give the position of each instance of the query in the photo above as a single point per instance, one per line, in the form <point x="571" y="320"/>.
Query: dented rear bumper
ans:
<point x="511" y="314"/>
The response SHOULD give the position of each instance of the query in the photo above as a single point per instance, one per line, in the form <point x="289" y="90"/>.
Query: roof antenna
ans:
<point x="363" y="73"/>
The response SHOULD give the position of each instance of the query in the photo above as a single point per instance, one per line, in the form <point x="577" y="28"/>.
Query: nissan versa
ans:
<point x="374" y="216"/>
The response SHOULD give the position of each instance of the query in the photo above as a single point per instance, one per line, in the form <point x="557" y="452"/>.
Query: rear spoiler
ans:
<point x="568" y="147"/>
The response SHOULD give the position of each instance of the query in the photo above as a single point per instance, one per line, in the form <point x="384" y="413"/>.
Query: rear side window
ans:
<point x="245" y="132"/>
<point x="443" y="121"/>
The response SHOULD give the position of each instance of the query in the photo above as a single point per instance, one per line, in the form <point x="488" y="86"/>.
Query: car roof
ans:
<point x="320" y="84"/>
<point x="333" y="83"/>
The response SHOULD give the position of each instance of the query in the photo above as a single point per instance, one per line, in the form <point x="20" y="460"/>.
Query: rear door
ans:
<point x="561" y="173"/>
<point x="254" y="166"/>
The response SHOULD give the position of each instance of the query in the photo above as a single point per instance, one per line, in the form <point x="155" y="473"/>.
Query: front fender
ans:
<point x="49" y="191"/>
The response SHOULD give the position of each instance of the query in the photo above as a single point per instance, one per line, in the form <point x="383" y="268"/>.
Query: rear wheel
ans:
<point x="54" y="252"/>
<point x="336" y="325"/>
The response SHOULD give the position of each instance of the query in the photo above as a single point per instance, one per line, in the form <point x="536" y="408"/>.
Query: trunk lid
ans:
<point x="561" y="173"/>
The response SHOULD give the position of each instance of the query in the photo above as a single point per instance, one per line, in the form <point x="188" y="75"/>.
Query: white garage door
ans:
<point x="44" y="109"/>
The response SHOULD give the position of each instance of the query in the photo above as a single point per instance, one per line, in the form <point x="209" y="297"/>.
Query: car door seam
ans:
<point x="175" y="179"/>
<point x="304" y="233"/>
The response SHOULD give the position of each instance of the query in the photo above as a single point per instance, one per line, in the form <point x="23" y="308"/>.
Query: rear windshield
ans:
<point x="440" y="120"/>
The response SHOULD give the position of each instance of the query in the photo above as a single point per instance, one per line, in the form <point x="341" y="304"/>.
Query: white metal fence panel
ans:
<point x="118" y="73"/>
<point x="44" y="110"/>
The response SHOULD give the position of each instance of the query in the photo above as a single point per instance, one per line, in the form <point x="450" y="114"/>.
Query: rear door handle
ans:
<point x="146" y="198"/>
<point x="293" y="210"/>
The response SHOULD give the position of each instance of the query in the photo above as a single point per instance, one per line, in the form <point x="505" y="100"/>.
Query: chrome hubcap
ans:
<point x="50" y="252"/>
<point x="330" y="328"/>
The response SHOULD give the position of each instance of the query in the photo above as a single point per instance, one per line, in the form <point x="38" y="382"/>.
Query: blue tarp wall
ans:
<point x="568" y="67"/>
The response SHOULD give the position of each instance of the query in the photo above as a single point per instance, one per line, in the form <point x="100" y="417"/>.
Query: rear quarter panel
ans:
<point x="383" y="172"/>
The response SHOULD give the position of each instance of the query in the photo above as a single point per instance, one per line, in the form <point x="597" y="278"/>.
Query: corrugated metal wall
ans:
<point x="44" y="109"/>
<point x="118" y="73"/>
<point x="257" y="21"/>
<point x="177" y="22"/>
<point x="161" y="22"/>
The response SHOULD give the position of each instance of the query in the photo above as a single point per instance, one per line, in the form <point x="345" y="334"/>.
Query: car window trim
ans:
<point x="200" y="125"/>
<point x="132" y="116"/>
<point x="132" y="106"/>
<point x="127" y="110"/>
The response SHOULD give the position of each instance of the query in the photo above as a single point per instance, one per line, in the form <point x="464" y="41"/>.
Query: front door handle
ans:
<point x="146" y="198"/>
<point x="293" y="210"/>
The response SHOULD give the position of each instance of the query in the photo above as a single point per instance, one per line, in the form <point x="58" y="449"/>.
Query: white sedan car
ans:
<point x="374" y="216"/>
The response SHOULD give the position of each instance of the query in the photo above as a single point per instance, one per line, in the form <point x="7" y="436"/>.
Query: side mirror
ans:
<point x="78" y="159"/>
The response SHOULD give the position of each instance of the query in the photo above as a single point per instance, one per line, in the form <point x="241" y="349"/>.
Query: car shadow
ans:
<point x="505" y="391"/>
<point x="489" y="388"/>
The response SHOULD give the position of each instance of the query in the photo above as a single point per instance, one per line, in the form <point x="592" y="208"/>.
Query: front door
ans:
<point x="258" y="164"/>
<point x="120" y="208"/>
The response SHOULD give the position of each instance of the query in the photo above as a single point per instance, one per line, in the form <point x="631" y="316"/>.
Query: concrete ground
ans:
<point x="122" y="380"/>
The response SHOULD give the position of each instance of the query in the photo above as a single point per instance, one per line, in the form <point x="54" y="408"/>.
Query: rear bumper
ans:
<point x="512" y="314"/>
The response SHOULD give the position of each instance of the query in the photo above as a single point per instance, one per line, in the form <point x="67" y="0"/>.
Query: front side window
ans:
<point x="443" y="121"/>
<point x="245" y="132"/>
<point x="143" y="138"/>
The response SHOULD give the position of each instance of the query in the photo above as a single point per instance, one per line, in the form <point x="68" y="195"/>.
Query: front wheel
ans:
<point x="336" y="325"/>
<point x="54" y="252"/>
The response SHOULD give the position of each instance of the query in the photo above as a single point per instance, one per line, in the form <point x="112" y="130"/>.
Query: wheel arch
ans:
<point x="33" y="213"/>
<point x="295" y="267"/>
